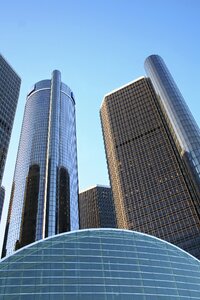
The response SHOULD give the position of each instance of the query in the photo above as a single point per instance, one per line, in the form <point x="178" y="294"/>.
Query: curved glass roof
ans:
<point x="100" y="264"/>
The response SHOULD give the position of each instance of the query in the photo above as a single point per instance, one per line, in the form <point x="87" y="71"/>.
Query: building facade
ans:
<point x="44" y="197"/>
<point x="9" y="93"/>
<point x="149" y="181"/>
<point x="2" y="197"/>
<point x="182" y="124"/>
<point x="96" y="208"/>
<point x="100" y="264"/>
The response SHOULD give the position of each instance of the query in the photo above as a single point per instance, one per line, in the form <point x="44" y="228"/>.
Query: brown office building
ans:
<point x="96" y="209"/>
<point x="149" y="184"/>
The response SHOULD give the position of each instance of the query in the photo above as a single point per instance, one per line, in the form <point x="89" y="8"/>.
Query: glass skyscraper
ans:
<point x="152" y="187"/>
<point x="96" y="208"/>
<point x="9" y="93"/>
<point x="183" y="127"/>
<point x="44" y="197"/>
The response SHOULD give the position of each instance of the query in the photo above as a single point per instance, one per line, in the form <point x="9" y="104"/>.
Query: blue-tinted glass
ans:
<point x="105" y="275"/>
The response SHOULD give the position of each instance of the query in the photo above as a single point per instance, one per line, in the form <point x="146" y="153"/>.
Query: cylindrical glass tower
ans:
<point x="180" y="120"/>
<point x="44" y="199"/>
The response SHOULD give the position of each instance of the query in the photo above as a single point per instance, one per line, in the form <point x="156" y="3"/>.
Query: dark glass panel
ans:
<point x="47" y="204"/>
<point x="29" y="216"/>
<point x="8" y="221"/>
<point x="63" y="202"/>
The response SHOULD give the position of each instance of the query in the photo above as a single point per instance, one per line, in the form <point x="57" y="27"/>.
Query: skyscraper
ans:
<point x="9" y="94"/>
<point x="44" y="198"/>
<point x="96" y="208"/>
<point x="183" y="127"/>
<point x="150" y="183"/>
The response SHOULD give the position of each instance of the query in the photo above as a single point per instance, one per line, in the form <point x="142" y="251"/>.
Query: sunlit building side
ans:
<point x="150" y="183"/>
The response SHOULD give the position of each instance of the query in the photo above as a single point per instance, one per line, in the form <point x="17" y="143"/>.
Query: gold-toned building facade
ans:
<point x="149" y="182"/>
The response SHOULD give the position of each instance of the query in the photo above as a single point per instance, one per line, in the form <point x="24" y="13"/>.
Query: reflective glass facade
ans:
<point x="150" y="187"/>
<point x="2" y="196"/>
<point x="184" y="128"/>
<point x="102" y="265"/>
<point x="96" y="208"/>
<point x="9" y="93"/>
<point x="44" y="199"/>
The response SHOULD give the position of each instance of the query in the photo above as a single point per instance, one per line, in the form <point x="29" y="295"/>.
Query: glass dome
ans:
<point x="100" y="264"/>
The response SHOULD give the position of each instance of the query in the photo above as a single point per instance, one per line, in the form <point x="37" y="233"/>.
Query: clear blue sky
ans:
<point x="98" y="45"/>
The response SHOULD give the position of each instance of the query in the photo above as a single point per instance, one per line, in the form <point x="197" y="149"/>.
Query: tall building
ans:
<point x="150" y="182"/>
<point x="100" y="264"/>
<point x="183" y="127"/>
<point x="96" y="208"/>
<point x="2" y="196"/>
<point x="44" y="197"/>
<point x="9" y="93"/>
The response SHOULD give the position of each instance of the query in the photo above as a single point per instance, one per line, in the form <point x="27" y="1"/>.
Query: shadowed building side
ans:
<point x="2" y="197"/>
<point x="29" y="213"/>
<point x="96" y="208"/>
<point x="9" y="93"/>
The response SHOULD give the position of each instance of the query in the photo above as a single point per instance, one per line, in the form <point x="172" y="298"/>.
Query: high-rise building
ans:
<point x="44" y="197"/>
<point x="183" y="127"/>
<point x="2" y="196"/>
<point x="9" y="93"/>
<point x="96" y="208"/>
<point x="150" y="183"/>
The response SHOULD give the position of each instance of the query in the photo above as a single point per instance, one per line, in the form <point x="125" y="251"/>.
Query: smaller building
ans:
<point x="2" y="196"/>
<point x="96" y="208"/>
